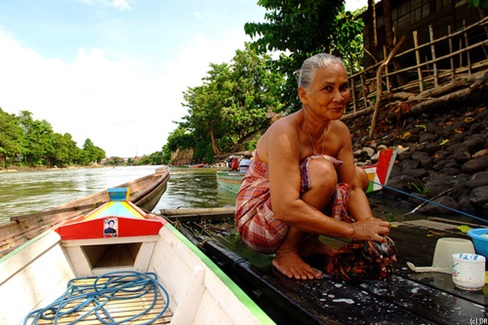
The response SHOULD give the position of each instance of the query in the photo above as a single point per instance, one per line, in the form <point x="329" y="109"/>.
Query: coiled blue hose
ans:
<point x="119" y="285"/>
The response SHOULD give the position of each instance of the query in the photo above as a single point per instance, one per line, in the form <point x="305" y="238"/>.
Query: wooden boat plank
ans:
<point x="56" y="211"/>
<point x="124" y="307"/>
<point x="400" y="300"/>
<point x="366" y="303"/>
<point x="416" y="245"/>
<point x="320" y="301"/>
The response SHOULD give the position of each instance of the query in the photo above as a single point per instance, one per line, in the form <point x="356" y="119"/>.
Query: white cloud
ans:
<point x="112" y="103"/>
<point x="117" y="4"/>
<point x="124" y="107"/>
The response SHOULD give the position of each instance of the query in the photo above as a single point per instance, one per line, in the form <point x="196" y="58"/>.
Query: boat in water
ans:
<point x="118" y="265"/>
<point x="422" y="296"/>
<point x="145" y="192"/>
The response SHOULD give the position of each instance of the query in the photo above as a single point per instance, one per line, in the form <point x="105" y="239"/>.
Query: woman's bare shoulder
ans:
<point x="339" y="126"/>
<point x="286" y="125"/>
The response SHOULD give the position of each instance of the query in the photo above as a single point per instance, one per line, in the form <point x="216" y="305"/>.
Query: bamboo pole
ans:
<point x="451" y="59"/>
<point x="417" y="57"/>
<point x="353" y="87"/>
<point x="468" y="56"/>
<point x="386" y="70"/>
<point x="432" y="49"/>
<point x="365" y="91"/>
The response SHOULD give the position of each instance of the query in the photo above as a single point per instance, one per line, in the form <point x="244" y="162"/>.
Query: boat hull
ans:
<point x="230" y="180"/>
<point x="37" y="274"/>
<point x="435" y="298"/>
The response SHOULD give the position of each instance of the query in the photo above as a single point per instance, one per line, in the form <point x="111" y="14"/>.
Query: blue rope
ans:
<point x="430" y="201"/>
<point x="119" y="285"/>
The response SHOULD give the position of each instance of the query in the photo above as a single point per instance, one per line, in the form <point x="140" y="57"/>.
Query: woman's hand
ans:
<point x="370" y="229"/>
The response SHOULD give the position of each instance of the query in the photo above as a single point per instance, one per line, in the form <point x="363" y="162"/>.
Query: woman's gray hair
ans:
<point x="306" y="74"/>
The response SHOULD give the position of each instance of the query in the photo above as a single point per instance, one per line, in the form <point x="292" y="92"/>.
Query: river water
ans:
<point x="35" y="191"/>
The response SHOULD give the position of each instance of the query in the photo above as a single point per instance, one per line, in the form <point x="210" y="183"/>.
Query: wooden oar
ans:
<point x="187" y="211"/>
<point x="426" y="201"/>
<point x="197" y="214"/>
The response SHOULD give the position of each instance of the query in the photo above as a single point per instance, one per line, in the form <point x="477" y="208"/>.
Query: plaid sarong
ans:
<point x="255" y="220"/>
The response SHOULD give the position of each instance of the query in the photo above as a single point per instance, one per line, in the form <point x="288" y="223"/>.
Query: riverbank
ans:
<point x="444" y="157"/>
<point x="16" y="169"/>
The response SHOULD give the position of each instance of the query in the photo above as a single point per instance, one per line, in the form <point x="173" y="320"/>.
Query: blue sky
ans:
<point x="114" y="70"/>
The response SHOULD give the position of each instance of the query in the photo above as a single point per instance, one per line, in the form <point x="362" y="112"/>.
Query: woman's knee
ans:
<point x="362" y="178"/>
<point x="322" y="174"/>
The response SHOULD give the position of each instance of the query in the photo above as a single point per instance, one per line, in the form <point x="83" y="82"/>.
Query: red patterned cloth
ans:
<point x="255" y="220"/>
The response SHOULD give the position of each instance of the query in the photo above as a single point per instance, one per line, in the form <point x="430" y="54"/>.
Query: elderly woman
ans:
<point x="303" y="182"/>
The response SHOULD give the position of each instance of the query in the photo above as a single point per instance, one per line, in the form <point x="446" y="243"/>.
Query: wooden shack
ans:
<point x="429" y="19"/>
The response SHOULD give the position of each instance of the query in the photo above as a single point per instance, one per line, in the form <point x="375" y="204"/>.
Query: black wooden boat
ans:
<point x="406" y="298"/>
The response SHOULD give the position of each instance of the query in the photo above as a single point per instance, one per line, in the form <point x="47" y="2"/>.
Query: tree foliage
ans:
<point x="301" y="28"/>
<point x="30" y="142"/>
<point x="233" y="101"/>
<point x="236" y="100"/>
<point x="479" y="3"/>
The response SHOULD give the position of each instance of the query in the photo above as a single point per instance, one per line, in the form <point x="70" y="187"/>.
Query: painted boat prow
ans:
<point x="379" y="173"/>
<point x="118" y="217"/>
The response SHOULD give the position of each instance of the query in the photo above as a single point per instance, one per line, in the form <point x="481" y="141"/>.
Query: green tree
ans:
<point x="301" y="28"/>
<point x="38" y="139"/>
<point x="92" y="153"/>
<point x="66" y="152"/>
<point x="234" y="100"/>
<point x="11" y="137"/>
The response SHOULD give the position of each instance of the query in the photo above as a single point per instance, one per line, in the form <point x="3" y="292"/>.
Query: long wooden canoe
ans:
<point x="145" y="193"/>
<point x="118" y="265"/>
<point x="407" y="298"/>
<point x="378" y="173"/>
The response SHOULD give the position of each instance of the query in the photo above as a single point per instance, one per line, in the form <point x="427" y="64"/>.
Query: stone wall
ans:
<point x="443" y="157"/>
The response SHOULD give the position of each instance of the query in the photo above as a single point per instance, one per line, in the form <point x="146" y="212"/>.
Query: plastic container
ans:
<point x="468" y="271"/>
<point x="444" y="249"/>
<point x="480" y="240"/>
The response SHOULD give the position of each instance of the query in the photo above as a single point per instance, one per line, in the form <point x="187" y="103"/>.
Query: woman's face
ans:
<point x="329" y="93"/>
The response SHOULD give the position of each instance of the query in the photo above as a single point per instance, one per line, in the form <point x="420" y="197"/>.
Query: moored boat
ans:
<point x="123" y="266"/>
<point x="378" y="173"/>
<point x="230" y="180"/>
<point x="145" y="192"/>
<point x="197" y="165"/>
<point x="408" y="297"/>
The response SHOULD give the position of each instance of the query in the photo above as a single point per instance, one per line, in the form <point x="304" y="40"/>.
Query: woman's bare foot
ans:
<point x="291" y="265"/>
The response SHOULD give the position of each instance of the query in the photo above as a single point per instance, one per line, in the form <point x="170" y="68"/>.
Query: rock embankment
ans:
<point x="443" y="157"/>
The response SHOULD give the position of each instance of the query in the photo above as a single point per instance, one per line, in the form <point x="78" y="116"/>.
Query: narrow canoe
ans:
<point x="378" y="173"/>
<point x="145" y="193"/>
<point x="118" y="265"/>
<point x="407" y="298"/>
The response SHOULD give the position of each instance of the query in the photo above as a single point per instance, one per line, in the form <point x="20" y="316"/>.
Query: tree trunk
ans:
<point x="463" y="95"/>
<point x="214" y="145"/>
<point x="379" y="85"/>
<point x="372" y="24"/>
